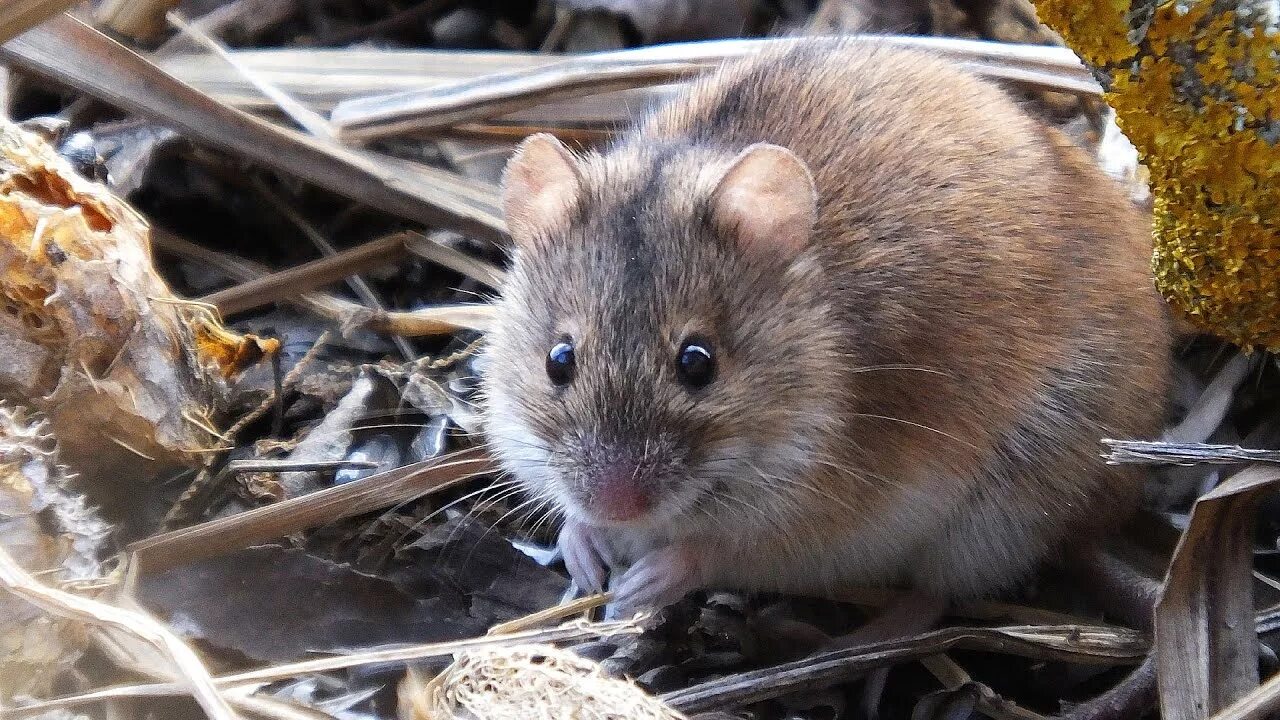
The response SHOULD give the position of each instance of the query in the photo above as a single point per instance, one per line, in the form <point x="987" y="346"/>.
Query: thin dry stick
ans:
<point x="171" y="549"/>
<point x="19" y="16"/>
<point x="461" y="263"/>
<point x="569" y="632"/>
<point x="552" y="614"/>
<point x="197" y="680"/>
<point x="287" y="284"/>
<point x="358" y="285"/>
<point x="439" y="320"/>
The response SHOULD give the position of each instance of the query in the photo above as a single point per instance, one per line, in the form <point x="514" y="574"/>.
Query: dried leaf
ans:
<point x="1206" y="643"/>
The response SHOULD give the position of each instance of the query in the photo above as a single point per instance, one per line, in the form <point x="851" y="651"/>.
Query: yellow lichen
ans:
<point x="1194" y="87"/>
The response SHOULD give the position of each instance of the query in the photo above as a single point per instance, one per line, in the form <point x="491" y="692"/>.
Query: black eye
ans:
<point x="560" y="363"/>
<point x="695" y="366"/>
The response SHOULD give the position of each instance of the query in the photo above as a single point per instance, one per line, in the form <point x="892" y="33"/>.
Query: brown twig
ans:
<point x="301" y="279"/>
<point x="439" y="320"/>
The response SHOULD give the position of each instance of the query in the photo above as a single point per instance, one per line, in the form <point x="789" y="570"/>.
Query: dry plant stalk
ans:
<point x="128" y="373"/>
<point x="527" y="681"/>
<point x="501" y="93"/>
<point x="136" y="624"/>
<point x="1068" y="643"/>
<point x="241" y="530"/>
<point x="237" y="684"/>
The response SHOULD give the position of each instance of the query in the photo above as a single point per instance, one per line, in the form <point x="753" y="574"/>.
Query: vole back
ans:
<point x="834" y="316"/>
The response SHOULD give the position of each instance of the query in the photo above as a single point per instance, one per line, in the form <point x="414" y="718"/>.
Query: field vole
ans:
<point x="836" y="315"/>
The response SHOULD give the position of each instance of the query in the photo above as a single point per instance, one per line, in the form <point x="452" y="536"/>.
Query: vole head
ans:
<point x="663" y="347"/>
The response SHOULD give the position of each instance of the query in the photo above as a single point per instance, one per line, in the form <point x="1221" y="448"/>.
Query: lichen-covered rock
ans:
<point x="1194" y="87"/>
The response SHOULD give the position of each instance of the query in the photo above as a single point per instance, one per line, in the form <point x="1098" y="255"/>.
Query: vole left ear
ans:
<point x="767" y="200"/>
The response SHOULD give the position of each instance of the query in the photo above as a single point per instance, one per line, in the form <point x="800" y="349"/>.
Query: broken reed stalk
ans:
<point x="134" y="623"/>
<point x="1071" y="643"/>
<point x="443" y="651"/>
<point x="19" y="16"/>
<point x="171" y="549"/>
<point x="489" y="96"/>
<point x="70" y="52"/>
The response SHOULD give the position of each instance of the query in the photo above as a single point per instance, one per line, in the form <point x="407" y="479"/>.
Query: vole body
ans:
<point x="835" y="316"/>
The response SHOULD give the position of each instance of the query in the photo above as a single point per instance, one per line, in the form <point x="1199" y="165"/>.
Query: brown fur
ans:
<point x="915" y="397"/>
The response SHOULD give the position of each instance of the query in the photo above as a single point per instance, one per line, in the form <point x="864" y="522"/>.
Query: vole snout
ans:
<point x="619" y="491"/>
<point x="624" y="482"/>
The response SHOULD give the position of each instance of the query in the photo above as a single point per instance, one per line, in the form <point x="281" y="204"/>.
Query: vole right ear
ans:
<point x="768" y="200"/>
<point x="540" y="188"/>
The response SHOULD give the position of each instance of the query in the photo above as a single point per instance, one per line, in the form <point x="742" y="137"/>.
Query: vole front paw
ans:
<point x="660" y="578"/>
<point x="585" y="555"/>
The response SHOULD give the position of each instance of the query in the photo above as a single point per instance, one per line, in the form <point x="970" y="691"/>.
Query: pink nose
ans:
<point x="619" y="493"/>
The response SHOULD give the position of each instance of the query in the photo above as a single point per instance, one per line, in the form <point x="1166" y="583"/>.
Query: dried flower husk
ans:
<point x="131" y="377"/>
<point x="527" y="681"/>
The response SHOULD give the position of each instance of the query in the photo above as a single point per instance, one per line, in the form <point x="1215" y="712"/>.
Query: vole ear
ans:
<point x="767" y="198"/>
<point x="540" y="188"/>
